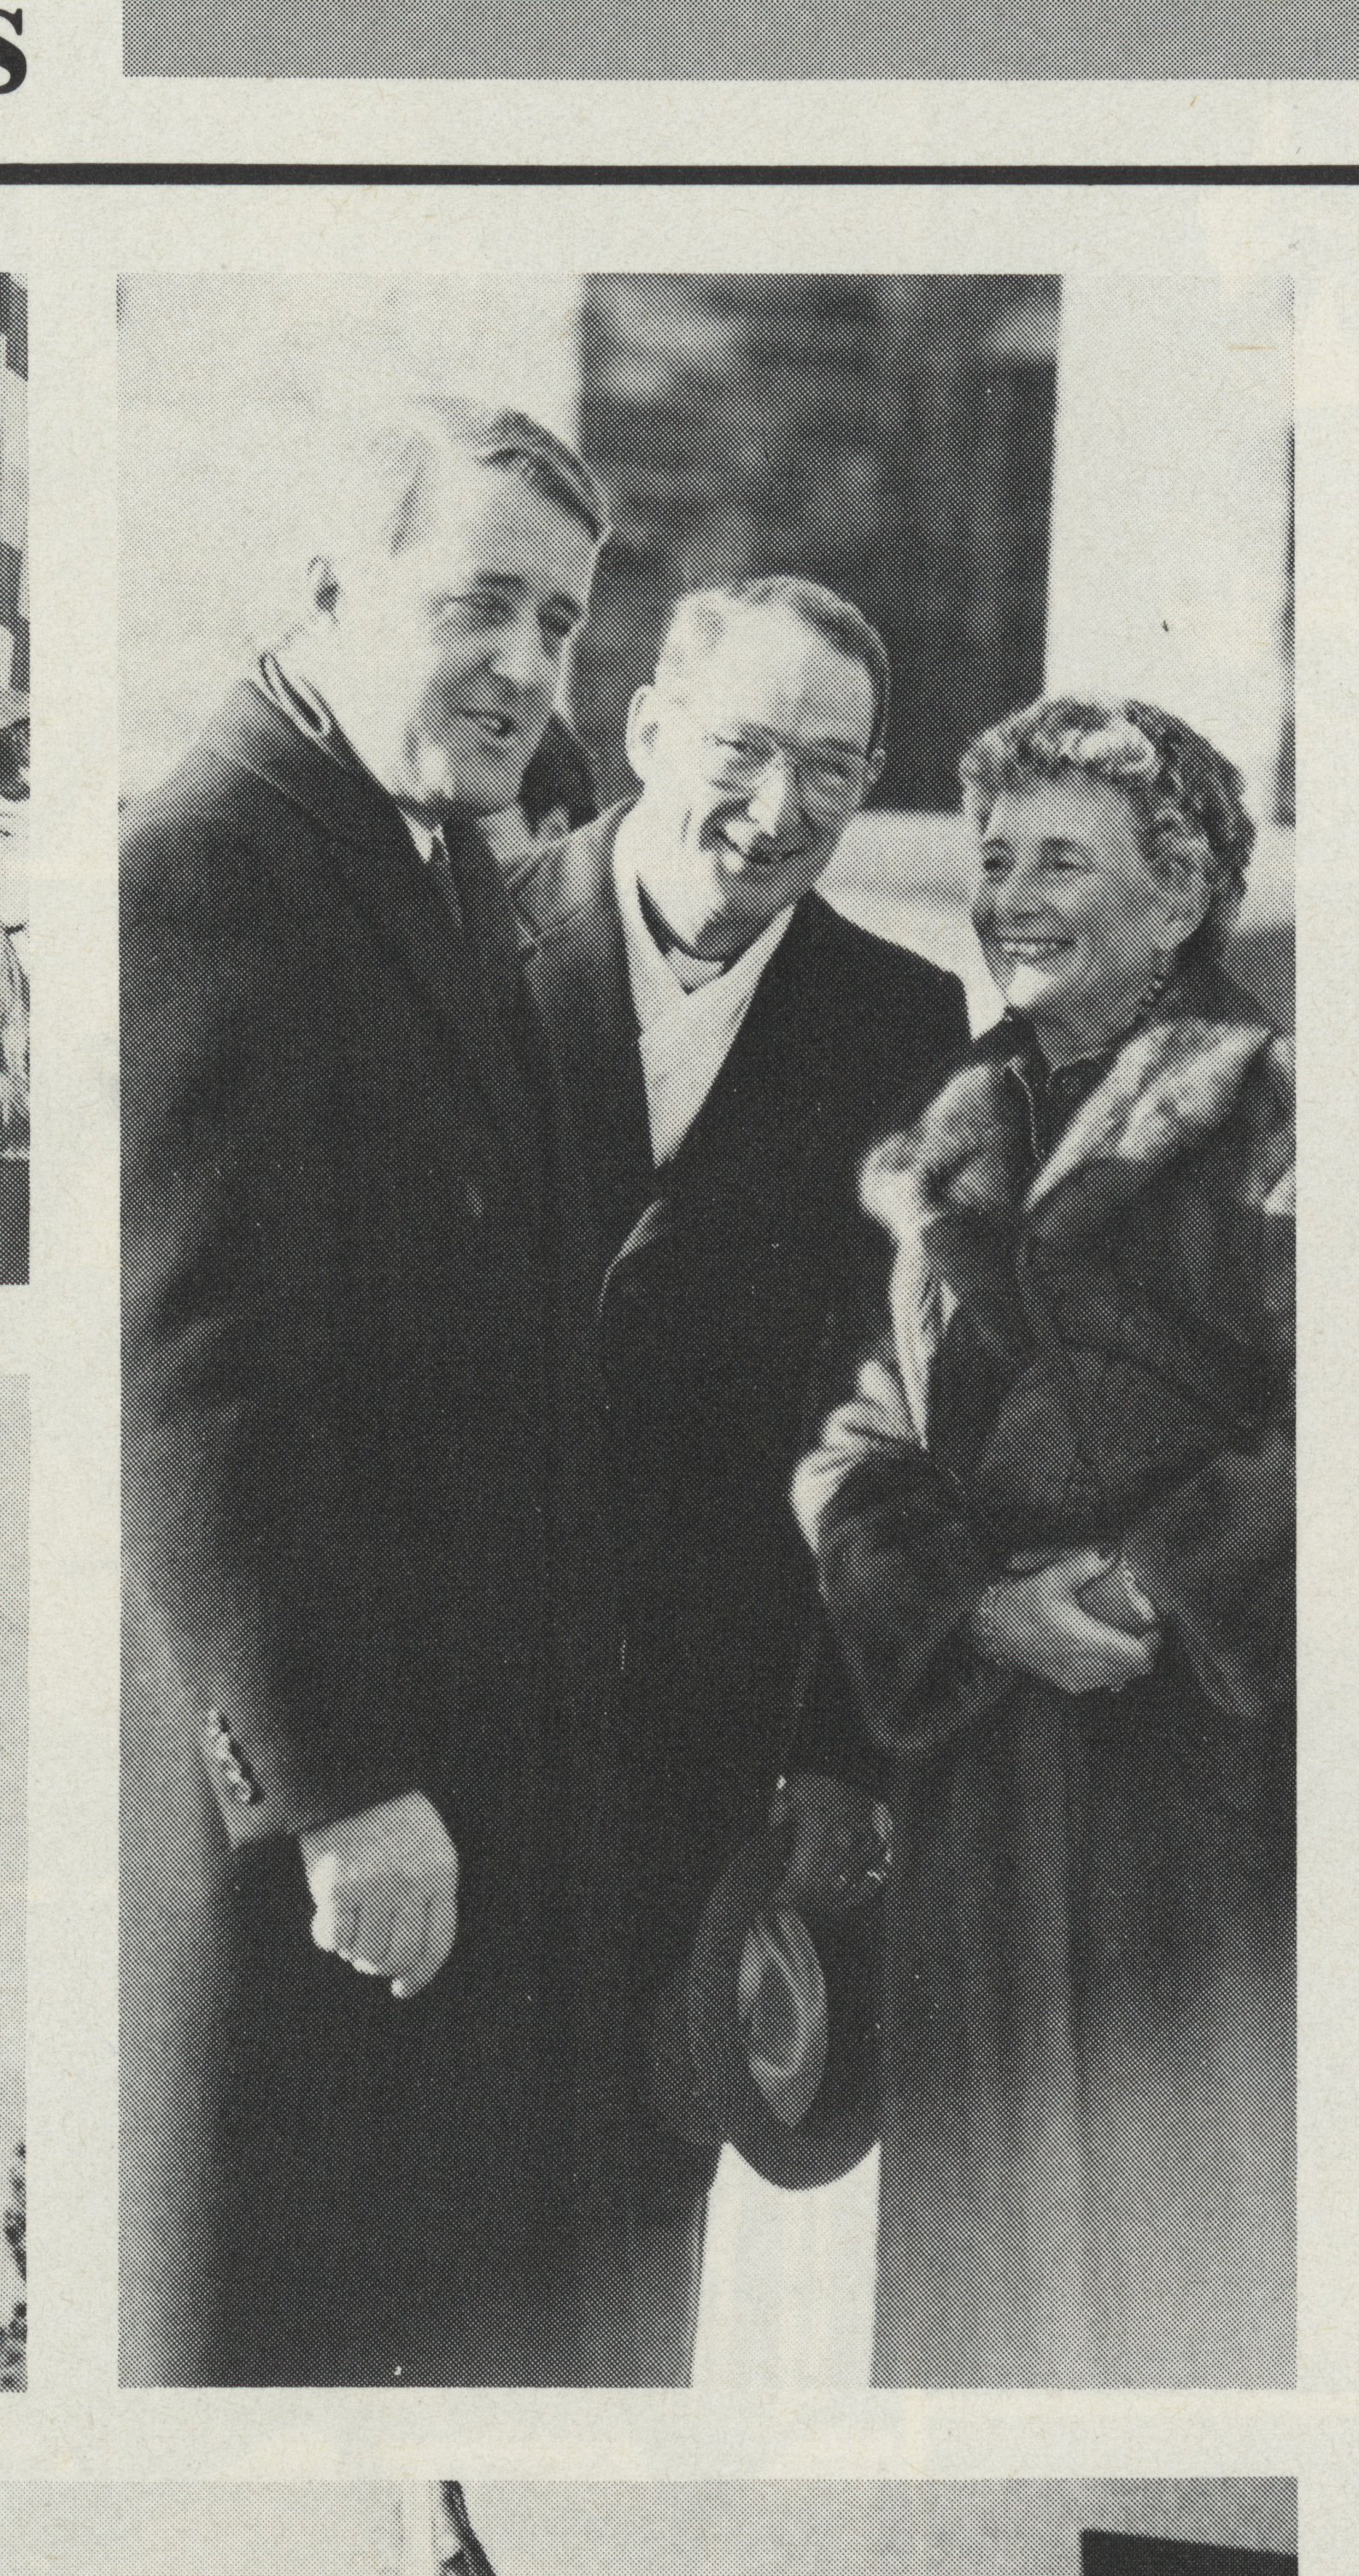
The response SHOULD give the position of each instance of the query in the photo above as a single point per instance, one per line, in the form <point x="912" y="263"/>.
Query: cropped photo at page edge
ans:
<point x="707" y="936"/>
<point x="533" y="2527"/>
<point x="1001" y="41"/>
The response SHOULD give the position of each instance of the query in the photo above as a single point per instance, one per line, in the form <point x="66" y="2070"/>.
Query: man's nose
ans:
<point x="774" y="801"/>
<point x="520" y="655"/>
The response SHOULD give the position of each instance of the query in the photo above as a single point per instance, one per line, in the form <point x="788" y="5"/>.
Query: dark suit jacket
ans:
<point x="346" y="1287"/>
<point x="718" y="1278"/>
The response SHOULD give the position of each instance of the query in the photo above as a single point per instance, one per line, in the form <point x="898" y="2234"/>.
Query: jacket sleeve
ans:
<point x="1217" y="1555"/>
<point x="241" y="1536"/>
<point x="829" y="1735"/>
<point x="901" y="1565"/>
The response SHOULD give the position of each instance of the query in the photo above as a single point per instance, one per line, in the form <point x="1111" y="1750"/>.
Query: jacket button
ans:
<point x="475" y="1202"/>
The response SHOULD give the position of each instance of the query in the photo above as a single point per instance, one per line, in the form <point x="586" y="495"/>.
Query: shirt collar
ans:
<point x="425" y="835"/>
<point x="1027" y="1055"/>
<point x="656" y="986"/>
<point x="301" y="704"/>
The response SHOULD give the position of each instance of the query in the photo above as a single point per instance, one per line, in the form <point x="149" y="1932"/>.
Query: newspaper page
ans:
<point x="654" y="1905"/>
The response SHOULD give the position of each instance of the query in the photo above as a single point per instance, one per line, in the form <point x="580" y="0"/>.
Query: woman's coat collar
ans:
<point x="1170" y="1087"/>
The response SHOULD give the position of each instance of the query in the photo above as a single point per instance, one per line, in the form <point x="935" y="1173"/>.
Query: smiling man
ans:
<point x="346" y="1253"/>
<point x="731" y="1047"/>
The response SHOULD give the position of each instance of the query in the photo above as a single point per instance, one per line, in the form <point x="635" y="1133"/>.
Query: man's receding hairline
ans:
<point x="701" y="645"/>
<point x="394" y="472"/>
<point x="452" y="464"/>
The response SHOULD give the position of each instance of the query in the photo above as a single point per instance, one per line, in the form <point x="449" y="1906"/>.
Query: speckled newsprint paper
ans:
<point x="654" y="1399"/>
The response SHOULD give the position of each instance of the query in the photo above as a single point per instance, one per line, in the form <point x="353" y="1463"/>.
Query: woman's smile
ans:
<point x="1075" y="926"/>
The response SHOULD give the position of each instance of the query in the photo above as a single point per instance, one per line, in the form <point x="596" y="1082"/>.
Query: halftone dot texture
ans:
<point x="13" y="1764"/>
<point x="13" y="483"/>
<point x="265" y="2529"/>
<point x="775" y="2527"/>
<point x="995" y="2527"/>
<point x="714" y="40"/>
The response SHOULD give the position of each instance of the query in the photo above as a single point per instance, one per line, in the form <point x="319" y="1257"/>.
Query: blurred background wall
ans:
<point x="728" y="2528"/>
<point x="227" y="383"/>
<point x="892" y="437"/>
<point x="1024" y="481"/>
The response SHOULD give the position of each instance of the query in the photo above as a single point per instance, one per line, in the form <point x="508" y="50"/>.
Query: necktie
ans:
<point x="445" y="874"/>
<point x="470" y="890"/>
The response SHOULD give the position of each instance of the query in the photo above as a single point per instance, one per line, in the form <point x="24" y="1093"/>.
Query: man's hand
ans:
<point x="385" y="1888"/>
<point x="1044" y="1623"/>
<point x="842" y="1842"/>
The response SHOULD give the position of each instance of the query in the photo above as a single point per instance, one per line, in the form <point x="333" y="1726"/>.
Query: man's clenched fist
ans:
<point x="385" y="1888"/>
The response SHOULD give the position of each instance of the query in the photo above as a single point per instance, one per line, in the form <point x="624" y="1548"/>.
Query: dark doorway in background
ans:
<point x="889" y="436"/>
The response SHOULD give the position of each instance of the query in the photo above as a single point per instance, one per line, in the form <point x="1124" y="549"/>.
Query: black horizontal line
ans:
<point x="433" y="174"/>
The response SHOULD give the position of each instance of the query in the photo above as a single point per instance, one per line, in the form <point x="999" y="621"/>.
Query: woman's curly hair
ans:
<point x="1187" y="800"/>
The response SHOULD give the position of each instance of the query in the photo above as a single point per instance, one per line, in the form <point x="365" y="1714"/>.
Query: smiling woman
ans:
<point x="1055" y="1528"/>
<point x="1113" y="843"/>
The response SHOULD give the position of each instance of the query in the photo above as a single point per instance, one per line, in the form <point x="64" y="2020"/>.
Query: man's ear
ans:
<point x="644" y="717"/>
<point x="877" y="762"/>
<point x="323" y="585"/>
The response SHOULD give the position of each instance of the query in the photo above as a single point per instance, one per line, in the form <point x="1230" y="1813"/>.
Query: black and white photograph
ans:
<point x="14" y="784"/>
<point x="707" y="1508"/>
<point x="747" y="41"/>
<point x="14" y="1461"/>
<point x="794" y="2527"/>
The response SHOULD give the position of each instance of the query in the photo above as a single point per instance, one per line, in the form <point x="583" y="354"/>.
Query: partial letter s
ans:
<point x="12" y="60"/>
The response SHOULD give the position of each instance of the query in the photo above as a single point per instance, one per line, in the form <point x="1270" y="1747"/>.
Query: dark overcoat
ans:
<point x="1088" y="2089"/>
<point x="719" y="1273"/>
<point x="349" y="1574"/>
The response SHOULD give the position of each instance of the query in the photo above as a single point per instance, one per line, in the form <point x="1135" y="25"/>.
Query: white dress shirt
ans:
<point x="689" y="1010"/>
<point x="425" y="835"/>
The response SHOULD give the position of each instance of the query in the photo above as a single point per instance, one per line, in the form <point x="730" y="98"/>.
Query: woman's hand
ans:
<point x="1043" y="1623"/>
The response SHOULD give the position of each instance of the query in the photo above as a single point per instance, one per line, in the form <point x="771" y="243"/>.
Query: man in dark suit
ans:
<point x="732" y="1048"/>
<point x="351" y="1614"/>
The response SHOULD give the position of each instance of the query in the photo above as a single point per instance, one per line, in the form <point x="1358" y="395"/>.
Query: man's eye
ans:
<point x="557" y="632"/>
<point x="995" y="862"/>
<point x="479" y="608"/>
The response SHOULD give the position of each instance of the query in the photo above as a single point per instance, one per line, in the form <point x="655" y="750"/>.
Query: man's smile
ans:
<point x="493" y="722"/>
<point x="760" y="855"/>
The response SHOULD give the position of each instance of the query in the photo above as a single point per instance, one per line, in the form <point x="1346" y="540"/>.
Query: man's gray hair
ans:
<point x="701" y="618"/>
<point x="389" y="467"/>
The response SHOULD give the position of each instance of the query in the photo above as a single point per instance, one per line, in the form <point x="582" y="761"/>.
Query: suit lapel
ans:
<point x="571" y="947"/>
<point x="774" y="1076"/>
<point x="387" y="883"/>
